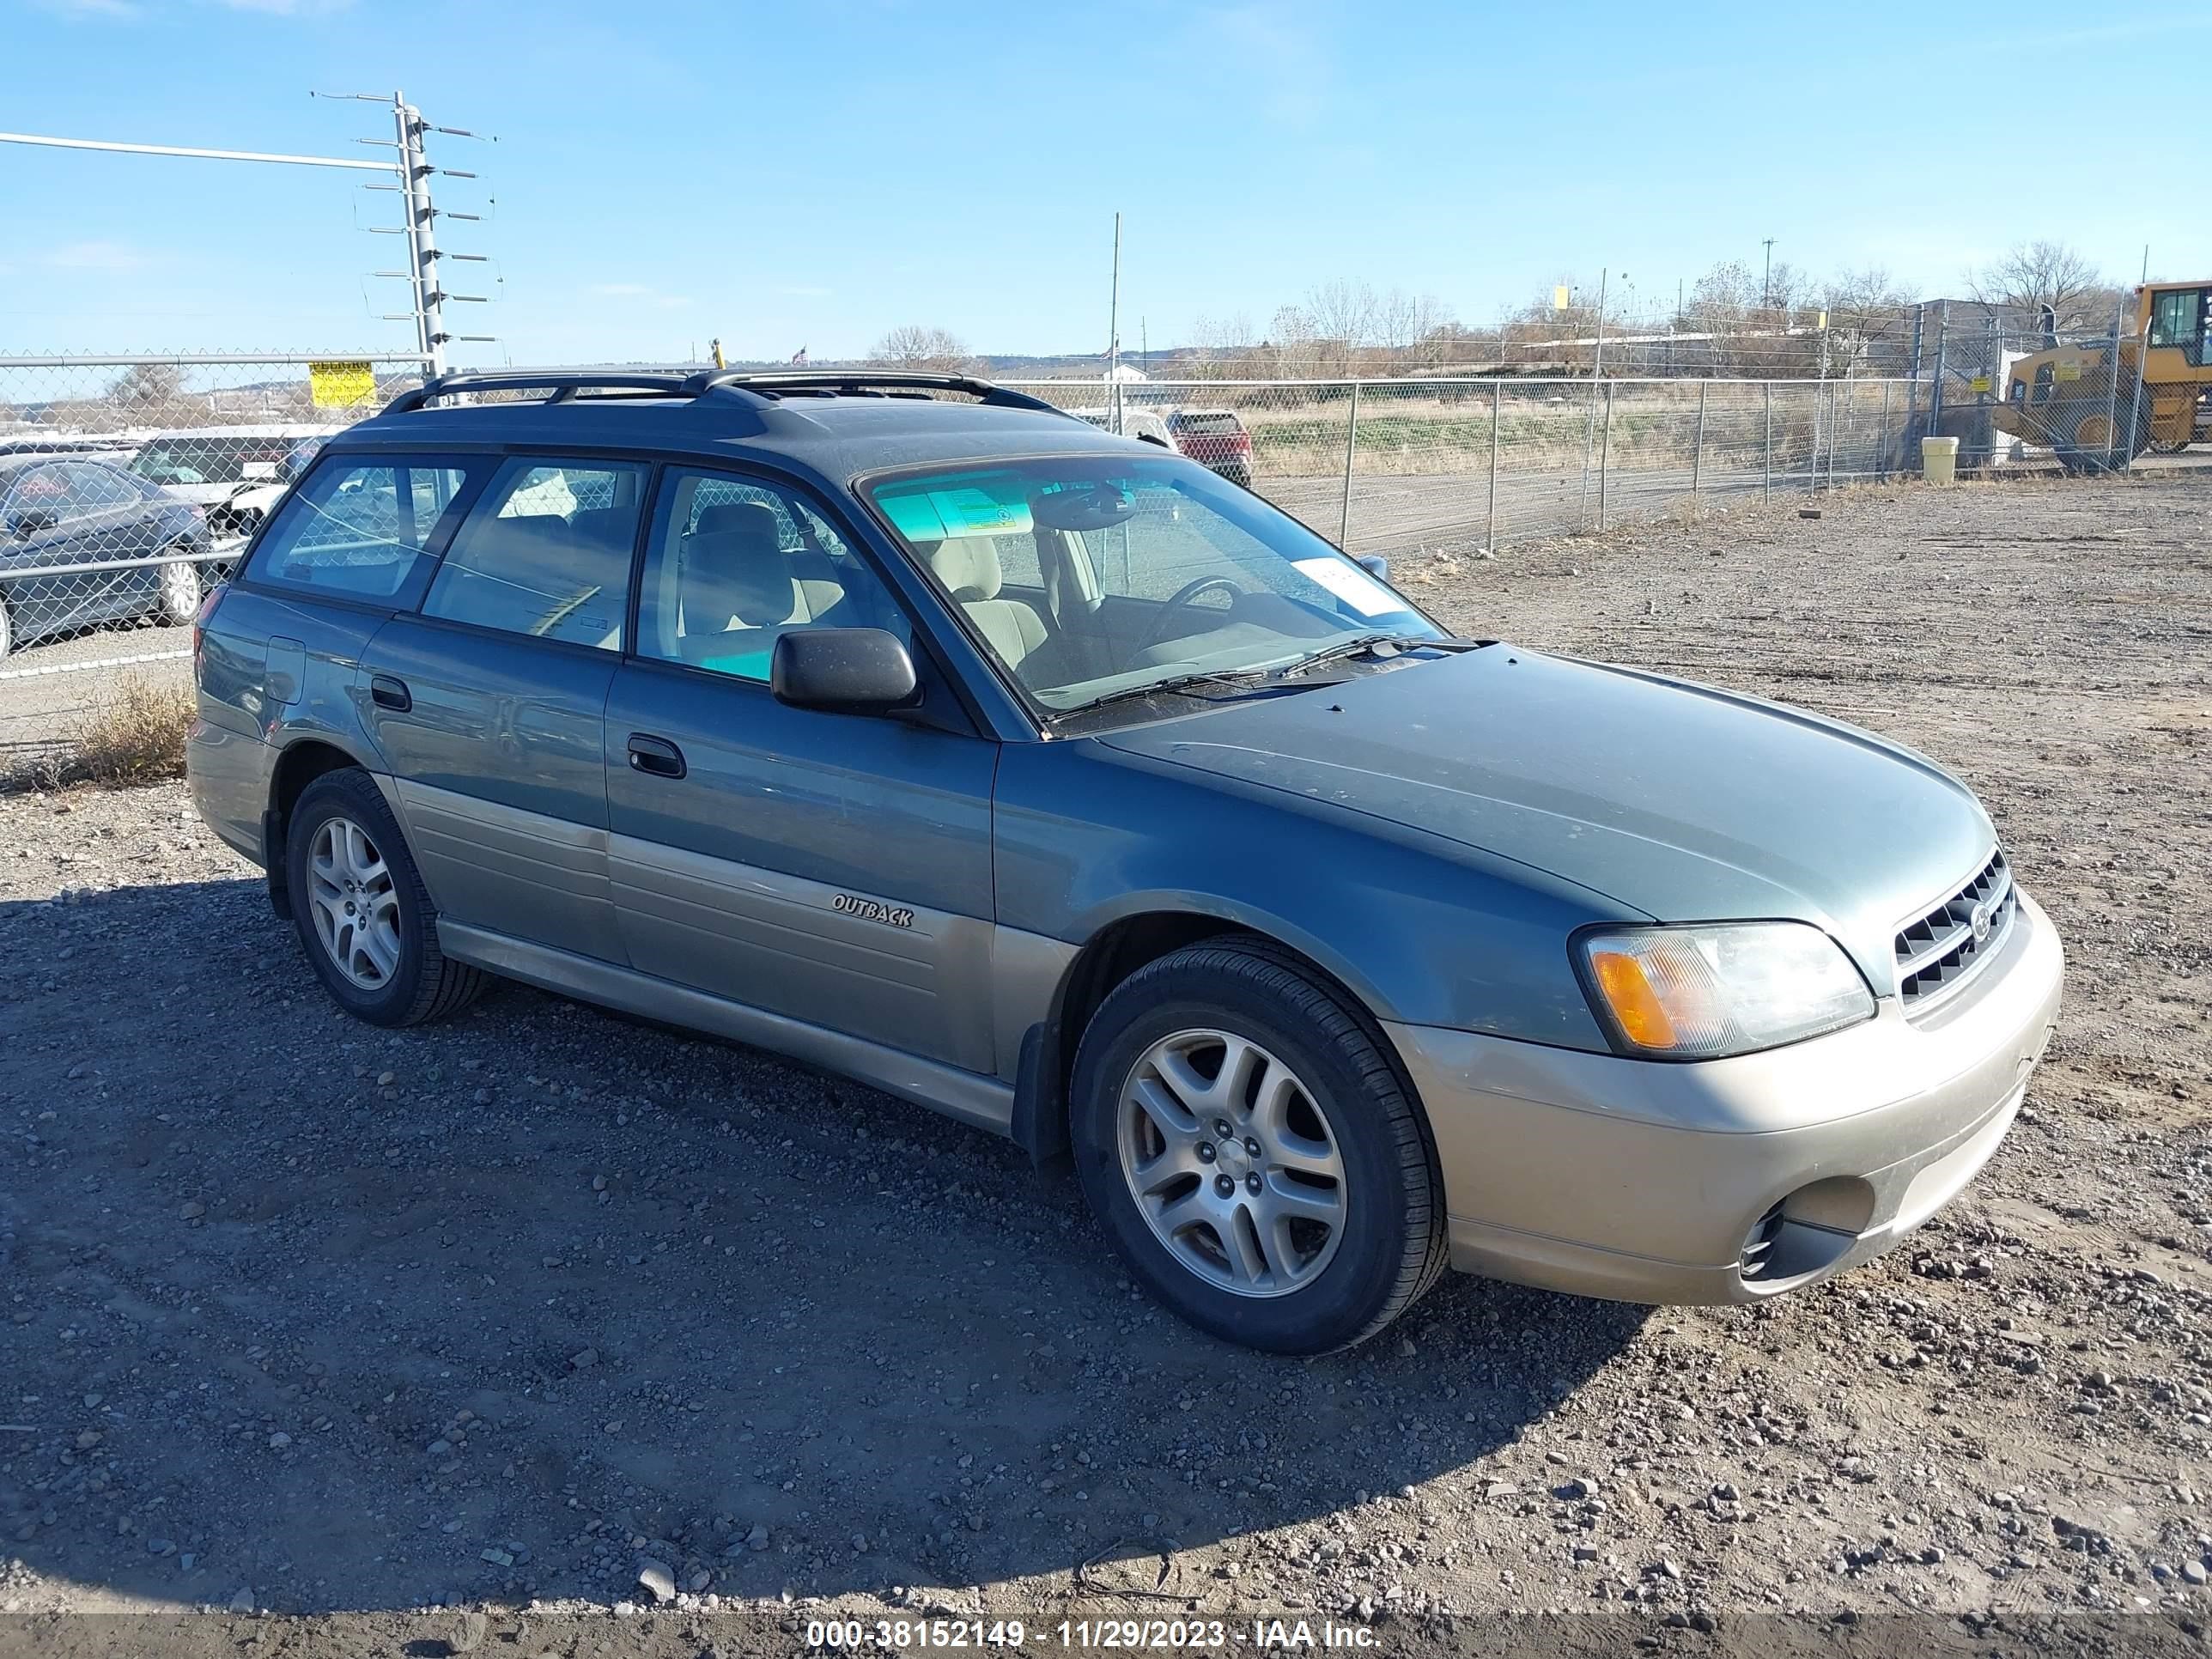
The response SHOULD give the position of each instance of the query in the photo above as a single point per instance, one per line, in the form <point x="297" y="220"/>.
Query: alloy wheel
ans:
<point x="355" y="904"/>
<point x="1232" y="1163"/>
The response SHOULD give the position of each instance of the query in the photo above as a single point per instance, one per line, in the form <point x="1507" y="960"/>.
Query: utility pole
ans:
<point x="1114" y="327"/>
<point x="422" y="235"/>
<point x="1767" y="278"/>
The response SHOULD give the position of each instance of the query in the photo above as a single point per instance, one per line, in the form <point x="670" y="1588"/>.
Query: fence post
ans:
<point x="1835" y="428"/>
<point x="1935" y="396"/>
<point x="2112" y="392"/>
<point x="1882" y="468"/>
<point x="1490" y="532"/>
<point x="1912" y="389"/>
<point x="1698" y="459"/>
<point x="1767" y="455"/>
<point x="1351" y="446"/>
<point x="1605" y="456"/>
<point x="2135" y="404"/>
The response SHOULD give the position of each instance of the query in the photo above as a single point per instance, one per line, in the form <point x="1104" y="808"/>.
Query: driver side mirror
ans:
<point x="843" y="671"/>
<point x="33" y="521"/>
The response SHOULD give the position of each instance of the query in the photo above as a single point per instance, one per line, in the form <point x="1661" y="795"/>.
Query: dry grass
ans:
<point x="137" y="733"/>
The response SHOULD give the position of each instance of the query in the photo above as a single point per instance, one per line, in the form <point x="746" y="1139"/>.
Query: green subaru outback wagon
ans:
<point x="911" y="728"/>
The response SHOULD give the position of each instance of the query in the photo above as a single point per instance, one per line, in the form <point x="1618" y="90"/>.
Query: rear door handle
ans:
<point x="655" y="754"/>
<point x="386" y="692"/>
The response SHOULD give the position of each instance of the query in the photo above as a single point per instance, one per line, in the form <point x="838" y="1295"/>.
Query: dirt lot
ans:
<point x="439" y="1335"/>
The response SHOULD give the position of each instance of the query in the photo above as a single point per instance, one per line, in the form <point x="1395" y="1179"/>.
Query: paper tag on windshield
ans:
<point x="1350" y="584"/>
<point x="258" y="469"/>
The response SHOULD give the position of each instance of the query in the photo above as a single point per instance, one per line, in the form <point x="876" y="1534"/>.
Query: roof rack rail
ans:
<point x="867" y="382"/>
<point x="562" y="383"/>
<point x="761" y="389"/>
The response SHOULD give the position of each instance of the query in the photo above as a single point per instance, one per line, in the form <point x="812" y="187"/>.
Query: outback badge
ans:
<point x="868" y="910"/>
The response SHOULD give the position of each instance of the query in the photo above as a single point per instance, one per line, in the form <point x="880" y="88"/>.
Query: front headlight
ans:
<point x="1720" y="988"/>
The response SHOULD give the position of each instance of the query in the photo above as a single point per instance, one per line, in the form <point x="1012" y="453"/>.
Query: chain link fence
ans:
<point x="1396" y="465"/>
<point x="128" y="485"/>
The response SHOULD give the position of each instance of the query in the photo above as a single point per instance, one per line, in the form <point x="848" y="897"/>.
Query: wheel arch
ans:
<point x="299" y="764"/>
<point x="1116" y="951"/>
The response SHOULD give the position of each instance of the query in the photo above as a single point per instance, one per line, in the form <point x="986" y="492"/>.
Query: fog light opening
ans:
<point x="1806" y="1233"/>
<point x="1759" y="1243"/>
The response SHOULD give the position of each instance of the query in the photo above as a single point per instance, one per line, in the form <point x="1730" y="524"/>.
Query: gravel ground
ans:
<point x="360" y="1336"/>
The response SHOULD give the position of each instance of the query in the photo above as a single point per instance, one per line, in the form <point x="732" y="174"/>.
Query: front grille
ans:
<point x="1759" y="1243"/>
<point x="1941" y="952"/>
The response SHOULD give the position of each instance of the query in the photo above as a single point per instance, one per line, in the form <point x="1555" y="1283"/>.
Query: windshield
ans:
<point x="1092" y="577"/>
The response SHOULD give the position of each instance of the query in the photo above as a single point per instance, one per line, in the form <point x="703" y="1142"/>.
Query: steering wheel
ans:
<point x="1184" y="595"/>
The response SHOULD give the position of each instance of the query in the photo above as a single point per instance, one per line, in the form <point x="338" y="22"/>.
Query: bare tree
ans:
<point x="1864" y="307"/>
<point x="1293" y="344"/>
<point x="148" y="391"/>
<point x="1223" y="346"/>
<point x="1406" y="322"/>
<point x="1343" y="314"/>
<point x="2040" y="275"/>
<point x="914" y="346"/>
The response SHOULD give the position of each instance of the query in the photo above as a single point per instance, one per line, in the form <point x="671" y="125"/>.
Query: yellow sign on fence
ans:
<point x="2067" y="372"/>
<point x="341" y="386"/>
<point x="1979" y="383"/>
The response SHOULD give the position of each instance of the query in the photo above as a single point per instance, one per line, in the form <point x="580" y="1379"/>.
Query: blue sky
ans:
<point x="816" y="173"/>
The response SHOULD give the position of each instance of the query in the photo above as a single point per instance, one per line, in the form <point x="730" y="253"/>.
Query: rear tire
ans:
<point x="1319" y="1217"/>
<point x="364" y="915"/>
<point x="181" y="591"/>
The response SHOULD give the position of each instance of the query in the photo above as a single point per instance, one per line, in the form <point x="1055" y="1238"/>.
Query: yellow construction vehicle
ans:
<point x="2094" y="414"/>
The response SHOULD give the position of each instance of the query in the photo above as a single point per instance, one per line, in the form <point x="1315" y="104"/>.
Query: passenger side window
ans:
<point x="358" y="527"/>
<point x="545" y="552"/>
<point x="733" y="565"/>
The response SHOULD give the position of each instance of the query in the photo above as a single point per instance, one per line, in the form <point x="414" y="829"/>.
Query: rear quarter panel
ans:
<point x="274" y="669"/>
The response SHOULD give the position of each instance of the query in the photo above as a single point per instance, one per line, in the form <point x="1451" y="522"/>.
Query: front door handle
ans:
<point x="655" y="754"/>
<point x="386" y="692"/>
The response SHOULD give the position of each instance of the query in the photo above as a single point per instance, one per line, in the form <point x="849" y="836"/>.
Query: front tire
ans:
<point x="364" y="915"/>
<point x="1249" y="1147"/>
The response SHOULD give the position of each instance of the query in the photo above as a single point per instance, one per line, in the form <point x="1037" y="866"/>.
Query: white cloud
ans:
<point x="287" y="8"/>
<point x="96" y="256"/>
<point x="83" y="11"/>
<point x="641" y="292"/>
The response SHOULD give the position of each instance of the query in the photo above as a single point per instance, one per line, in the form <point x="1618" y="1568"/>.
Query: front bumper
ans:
<point x="1644" y="1182"/>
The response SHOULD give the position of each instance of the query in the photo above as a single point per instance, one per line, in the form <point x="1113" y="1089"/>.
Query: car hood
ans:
<point x="1684" y="802"/>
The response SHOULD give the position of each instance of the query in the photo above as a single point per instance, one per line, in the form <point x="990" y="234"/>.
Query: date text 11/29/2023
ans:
<point x="1126" y="1635"/>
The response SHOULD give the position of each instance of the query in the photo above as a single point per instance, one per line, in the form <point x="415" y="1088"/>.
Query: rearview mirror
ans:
<point x="1083" y="507"/>
<point x="847" y="671"/>
<point x="1375" y="565"/>
<point x="33" y="521"/>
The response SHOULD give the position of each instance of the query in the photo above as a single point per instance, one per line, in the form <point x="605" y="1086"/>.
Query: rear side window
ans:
<point x="545" y="552"/>
<point x="358" y="528"/>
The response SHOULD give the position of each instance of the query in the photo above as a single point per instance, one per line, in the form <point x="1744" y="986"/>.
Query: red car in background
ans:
<point x="1216" y="439"/>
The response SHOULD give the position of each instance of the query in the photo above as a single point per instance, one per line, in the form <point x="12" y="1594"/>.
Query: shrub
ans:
<point x="137" y="733"/>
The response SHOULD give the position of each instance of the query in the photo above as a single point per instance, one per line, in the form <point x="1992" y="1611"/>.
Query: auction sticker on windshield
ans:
<point x="1350" y="584"/>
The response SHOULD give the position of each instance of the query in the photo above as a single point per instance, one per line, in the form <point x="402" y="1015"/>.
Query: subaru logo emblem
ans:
<point x="1979" y="921"/>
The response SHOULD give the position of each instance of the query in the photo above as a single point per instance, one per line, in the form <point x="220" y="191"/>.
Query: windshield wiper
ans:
<point x="1367" y="642"/>
<point x="1238" y="679"/>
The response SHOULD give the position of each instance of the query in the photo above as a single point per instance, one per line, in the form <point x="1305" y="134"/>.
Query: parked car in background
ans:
<point x="251" y="503"/>
<point x="1147" y="425"/>
<point x="227" y="469"/>
<point x="1216" y="439"/>
<point x="60" y="515"/>
<point x="1042" y="777"/>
